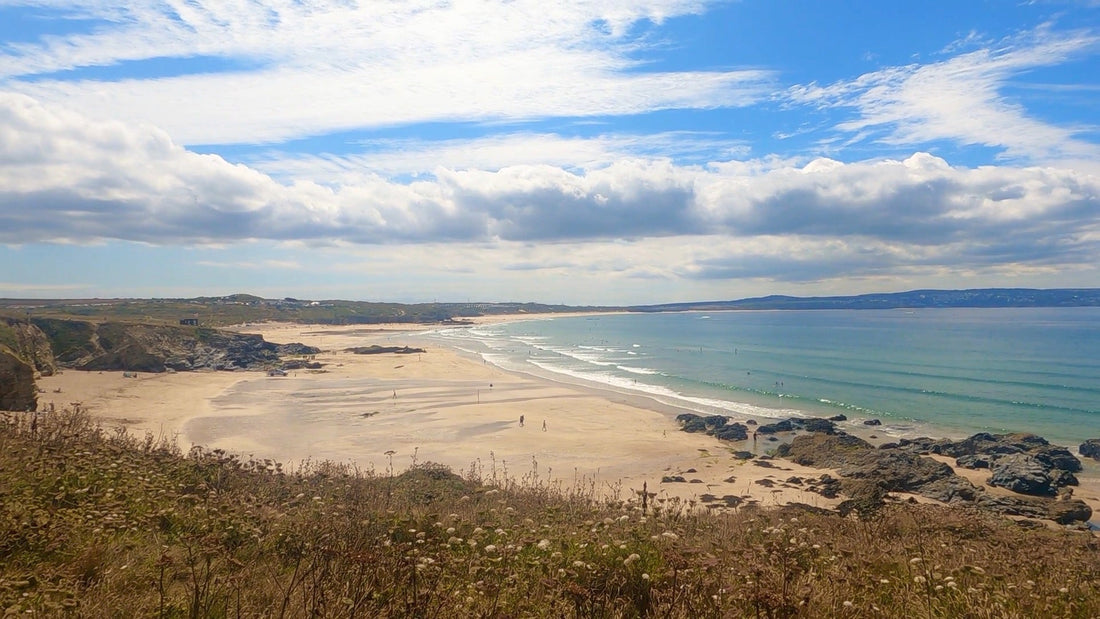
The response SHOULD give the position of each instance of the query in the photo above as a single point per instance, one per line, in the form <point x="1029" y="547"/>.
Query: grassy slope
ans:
<point x="237" y="309"/>
<point x="96" y="524"/>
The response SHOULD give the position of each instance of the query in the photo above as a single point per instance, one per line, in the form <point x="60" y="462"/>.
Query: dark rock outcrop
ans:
<point x="856" y="459"/>
<point x="17" y="390"/>
<point x="785" y="425"/>
<point x="375" y="349"/>
<point x="972" y="461"/>
<point x="717" y="426"/>
<point x="951" y="489"/>
<point x="1022" y="462"/>
<point x="816" y="424"/>
<point x="1090" y="448"/>
<point x="868" y="473"/>
<point x="826" y="485"/>
<point x="1058" y="458"/>
<point x="296" y="349"/>
<point x="1060" y="511"/>
<point x="1024" y="474"/>
<point x="731" y="432"/>
<point x="866" y="497"/>
<point x="824" y="450"/>
<point x="300" y="364"/>
<point x="896" y="471"/>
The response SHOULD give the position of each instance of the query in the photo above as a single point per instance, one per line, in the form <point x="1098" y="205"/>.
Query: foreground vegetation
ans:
<point x="96" y="524"/>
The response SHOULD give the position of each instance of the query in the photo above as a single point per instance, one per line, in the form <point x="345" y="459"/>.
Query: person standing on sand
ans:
<point x="544" y="425"/>
<point x="521" y="421"/>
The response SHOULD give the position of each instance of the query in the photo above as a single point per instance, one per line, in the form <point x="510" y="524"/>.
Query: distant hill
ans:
<point x="243" y="308"/>
<point x="982" y="297"/>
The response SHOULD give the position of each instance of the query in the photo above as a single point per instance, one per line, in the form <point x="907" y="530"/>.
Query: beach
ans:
<point x="386" y="412"/>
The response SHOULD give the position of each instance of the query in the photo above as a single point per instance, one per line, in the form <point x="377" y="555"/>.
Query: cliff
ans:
<point x="153" y="348"/>
<point x="28" y="343"/>
<point x="17" y="390"/>
<point x="24" y="352"/>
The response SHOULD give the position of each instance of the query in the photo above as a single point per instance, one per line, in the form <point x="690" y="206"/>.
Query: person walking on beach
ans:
<point x="521" y="421"/>
<point x="544" y="425"/>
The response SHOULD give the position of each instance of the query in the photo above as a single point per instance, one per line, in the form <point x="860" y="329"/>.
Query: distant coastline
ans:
<point x="913" y="299"/>
<point x="238" y="309"/>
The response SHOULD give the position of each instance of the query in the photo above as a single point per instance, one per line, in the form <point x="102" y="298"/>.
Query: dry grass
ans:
<point x="99" y="524"/>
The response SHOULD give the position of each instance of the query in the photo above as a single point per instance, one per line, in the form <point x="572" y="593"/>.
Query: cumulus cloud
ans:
<point x="962" y="99"/>
<point x="291" y="69"/>
<point x="64" y="177"/>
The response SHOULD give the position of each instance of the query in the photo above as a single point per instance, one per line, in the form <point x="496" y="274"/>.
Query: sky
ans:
<point x="585" y="152"/>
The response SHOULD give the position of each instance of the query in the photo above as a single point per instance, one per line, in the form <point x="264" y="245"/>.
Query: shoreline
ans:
<point x="444" y="410"/>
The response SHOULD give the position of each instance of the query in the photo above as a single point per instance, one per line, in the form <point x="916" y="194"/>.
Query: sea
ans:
<point x="920" y="372"/>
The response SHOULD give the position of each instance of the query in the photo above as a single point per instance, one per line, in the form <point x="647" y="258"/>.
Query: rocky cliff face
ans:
<point x="17" y="390"/>
<point x="154" y="348"/>
<point x="29" y="343"/>
<point x="157" y="348"/>
<point x="42" y="345"/>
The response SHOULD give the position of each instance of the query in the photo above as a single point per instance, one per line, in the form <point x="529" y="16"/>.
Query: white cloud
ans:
<point x="411" y="157"/>
<point x="64" y="177"/>
<point x="962" y="99"/>
<point x="251" y="264"/>
<point x="300" y="69"/>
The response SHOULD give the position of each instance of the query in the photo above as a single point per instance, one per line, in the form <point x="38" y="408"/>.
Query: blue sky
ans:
<point x="600" y="151"/>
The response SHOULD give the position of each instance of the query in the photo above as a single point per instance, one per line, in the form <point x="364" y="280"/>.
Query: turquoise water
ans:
<point x="943" y="372"/>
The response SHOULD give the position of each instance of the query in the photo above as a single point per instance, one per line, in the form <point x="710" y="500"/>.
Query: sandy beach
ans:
<point x="438" y="406"/>
<point x="393" y="410"/>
